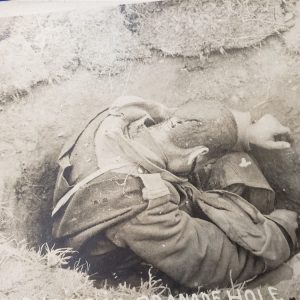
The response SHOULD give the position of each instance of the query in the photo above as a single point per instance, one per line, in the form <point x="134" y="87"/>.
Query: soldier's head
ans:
<point x="197" y="130"/>
<point x="203" y="123"/>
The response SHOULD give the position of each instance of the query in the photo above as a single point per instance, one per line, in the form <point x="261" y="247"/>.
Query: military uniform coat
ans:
<point x="198" y="238"/>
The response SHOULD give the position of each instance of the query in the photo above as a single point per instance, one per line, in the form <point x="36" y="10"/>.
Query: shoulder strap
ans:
<point x="154" y="186"/>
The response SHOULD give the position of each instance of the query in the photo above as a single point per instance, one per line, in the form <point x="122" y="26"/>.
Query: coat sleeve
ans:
<point x="192" y="251"/>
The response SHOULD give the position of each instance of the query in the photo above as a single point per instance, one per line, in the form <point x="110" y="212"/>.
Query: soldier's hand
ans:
<point x="263" y="133"/>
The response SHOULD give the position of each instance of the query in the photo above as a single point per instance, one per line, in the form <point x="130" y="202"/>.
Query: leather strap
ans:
<point x="154" y="186"/>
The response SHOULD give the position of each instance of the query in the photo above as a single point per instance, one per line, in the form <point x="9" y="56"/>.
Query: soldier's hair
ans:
<point x="207" y="123"/>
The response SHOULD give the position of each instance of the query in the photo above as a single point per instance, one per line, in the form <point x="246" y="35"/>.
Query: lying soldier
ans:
<point x="173" y="187"/>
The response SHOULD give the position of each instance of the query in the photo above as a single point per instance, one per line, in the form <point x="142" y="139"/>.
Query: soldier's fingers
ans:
<point x="276" y="145"/>
<point x="283" y="130"/>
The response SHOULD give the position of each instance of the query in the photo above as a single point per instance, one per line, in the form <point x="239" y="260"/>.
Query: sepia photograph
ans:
<point x="150" y="150"/>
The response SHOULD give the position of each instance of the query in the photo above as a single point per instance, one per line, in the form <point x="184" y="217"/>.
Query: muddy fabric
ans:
<point x="195" y="237"/>
<point x="106" y="201"/>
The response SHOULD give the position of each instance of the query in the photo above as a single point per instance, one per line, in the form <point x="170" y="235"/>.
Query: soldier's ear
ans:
<point x="174" y="122"/>
<point x="199" y="151"/>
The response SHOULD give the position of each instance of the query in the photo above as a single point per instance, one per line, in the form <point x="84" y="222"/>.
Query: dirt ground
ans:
<point x="45" y="97"/>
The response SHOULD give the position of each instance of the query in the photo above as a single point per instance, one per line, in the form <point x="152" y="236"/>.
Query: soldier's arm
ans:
<point x="261" y="133"/>
<point x="192" y="251"/>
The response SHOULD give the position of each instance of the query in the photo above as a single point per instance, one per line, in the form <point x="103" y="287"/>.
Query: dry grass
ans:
<point x="208" y="25"/>
<point x="49" y="49"/>
<point x="25" y="273"/>
<point x="46" y="49"/>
